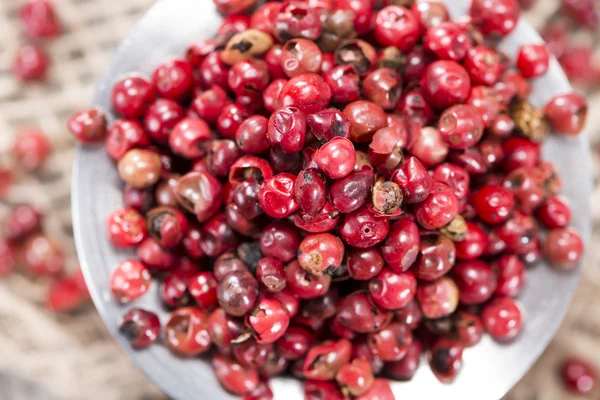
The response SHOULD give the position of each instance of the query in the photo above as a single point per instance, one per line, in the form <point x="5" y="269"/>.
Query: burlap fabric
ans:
<point x="73" y="357"/>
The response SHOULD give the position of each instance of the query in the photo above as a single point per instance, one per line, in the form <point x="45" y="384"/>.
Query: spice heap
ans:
<point x="331" y="189"/>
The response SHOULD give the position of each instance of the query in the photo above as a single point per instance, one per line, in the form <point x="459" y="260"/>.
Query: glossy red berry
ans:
<point x="129" y="280"/>
<point x="511" y="275"/>
<point x="363" y="229"/>
<point x="502" y="318"/>
<point x="380" y="390"/>
<point x="474" y="243"/>
<point x="365" y="119"/>
<point x="461" y="126"/>
<point x="88" y="126"/>
<point x="483" y="66"/>
<point x="268" y="320"/>
<point x="140" y="327"/>
<point x="414" y="180"/>
<point x="494" y="203"/>
<point x="567" y="113"/>
<point x="132" y="95"/>
<point x="160" y="119"/>
<point x="343" y="80"/>
<point x="555" y="212"/>
<point x="42" y="256"/>
<point x="475" y="280"/>
<point x="495" y="17"/>
<point x="445" y="83"/>
<point x="365" y="264"/>
<point x="446" y="359"/>
<point x="307" y="92"/>
<point x="563" y="248"/>
<point x="437" y="256"/>
<point x="393" y="290"/>
<point x="31" y="149"/>
<point x="448" y="41"/>
<point x="351" y="193"/>
<point x="336" y="158"/>
<point x="404" y="369"/>
<point x="233" y="376"/>
<point x="468" y="328"/>
<point x="356" y="377"/>
<point x="126" y="227"/>
<point x="31" y="63"/>
<point x="401" y="247"/>
<point x="439" y="298"/>
<point x="287" y="129"/>
<point x="173" y="79"/>
<point x="396" y="26"/>
<point x="321" y="253"/>
<point x="358" y="312"/>
<point x="203" y="289"/>
<point x="578" y="375"/>
<point x="22" y="221"/>
<point x="189" y="138"/>
<point x="40" y="19"/>
<point x="533" y="60"/>
<point x="276" y="195"/>
<point x="438" y="209"/>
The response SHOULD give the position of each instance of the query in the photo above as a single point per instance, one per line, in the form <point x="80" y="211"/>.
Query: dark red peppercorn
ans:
<point x="414" y="180"/>
<point x="140" y="327"/>
<point x="436" y="258"/>
<point x="563" y="248"/>
<point x="567" y="113"/>
<point x="233" y="376"/>
<point x="287" y="129"/>
<point x="533" y="60"/>
<point x="363" y="229"/>
<point x="475" y="280"/>
<point x="495" y="17"/>
<point x="445" y="83"/>
<point x="358" y="312"/>
<point x="446" y="359"/>
<point x="396" y="26"/>
<point x="554" y="212"/>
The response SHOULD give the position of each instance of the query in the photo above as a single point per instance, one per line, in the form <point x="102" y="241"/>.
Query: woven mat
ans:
<point x="72" y="357"/>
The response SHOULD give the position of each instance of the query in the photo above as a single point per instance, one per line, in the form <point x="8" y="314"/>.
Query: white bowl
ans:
<point x="490" y="369"/>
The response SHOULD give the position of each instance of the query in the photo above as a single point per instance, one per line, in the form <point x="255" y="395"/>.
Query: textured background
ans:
<point x="72" y="356"/>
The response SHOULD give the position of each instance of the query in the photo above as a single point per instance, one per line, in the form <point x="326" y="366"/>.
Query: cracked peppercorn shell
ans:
<point x="529" y="121"/>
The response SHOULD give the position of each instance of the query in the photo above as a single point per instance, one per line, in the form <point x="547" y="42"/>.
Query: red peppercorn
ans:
<point x="439" y="298"/>
<point x="233" y="376"/>
<point x="396" y="26"/>
<point x="413" y="104"/>
<point x="401" y="247"/>
<point x="308" y="92"/>
<point x="445" y="83"/>
<point x="474" y="243"/>
<point x="129" y="281"/>
<point x="156" y="257"/>
<point x="563" y="248"/>
<point x="336" y="158"/>
<point x="297" y="20"/>
<point x="554" y="212"/>
<point x="287" y="129"/>
<point x="358" y="312"/>
<point x="404" y="369"/>
<point x="511" y="275"/>
<point x="140" y="327"/>
<point x="475" y="280"/>
<point x="268" y="320"/>
<point x="578" y="375"/>
<point x="343" y="81"/>
<point x="203" y="288"/>
<point x="31" y="63"/>
<point x="494" y="203"/>
<point x="276" y="195"/>
<point x="310" y="191"/>
<point x="188" y="138"/>
<point x="323" y="361"/>
<point x="437" y="256"/>
<point x="365" y="119"/>
<point x="173" y="79"/>
<point x="126" y="227"/>
<point x="321" y="253"/>
<point x="363" y="229"/>
<point x="383" y="87"/>
<point x="318" y="390"/>
<point x="495" y="17"/>
<point x="380" y="390"/>
<point x="161" y="117"/>
<point x="483" y="66"/>
<point x="31" y="148"/>
<point x="567" y="113"/>
<point x="355" y="378"/>
<point x="438" y="209"/>
<point x="533" y="60"/>
<point x="446" y="359"/>
<point x="393" y="290"/>
<point x="468" y="327"/>
<point x="199" y="193"/>
<point x="39" y="19"/>
<point x="88" y="126"/>
<point x="448" y="41"/>
<point x="502" y="318"/>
